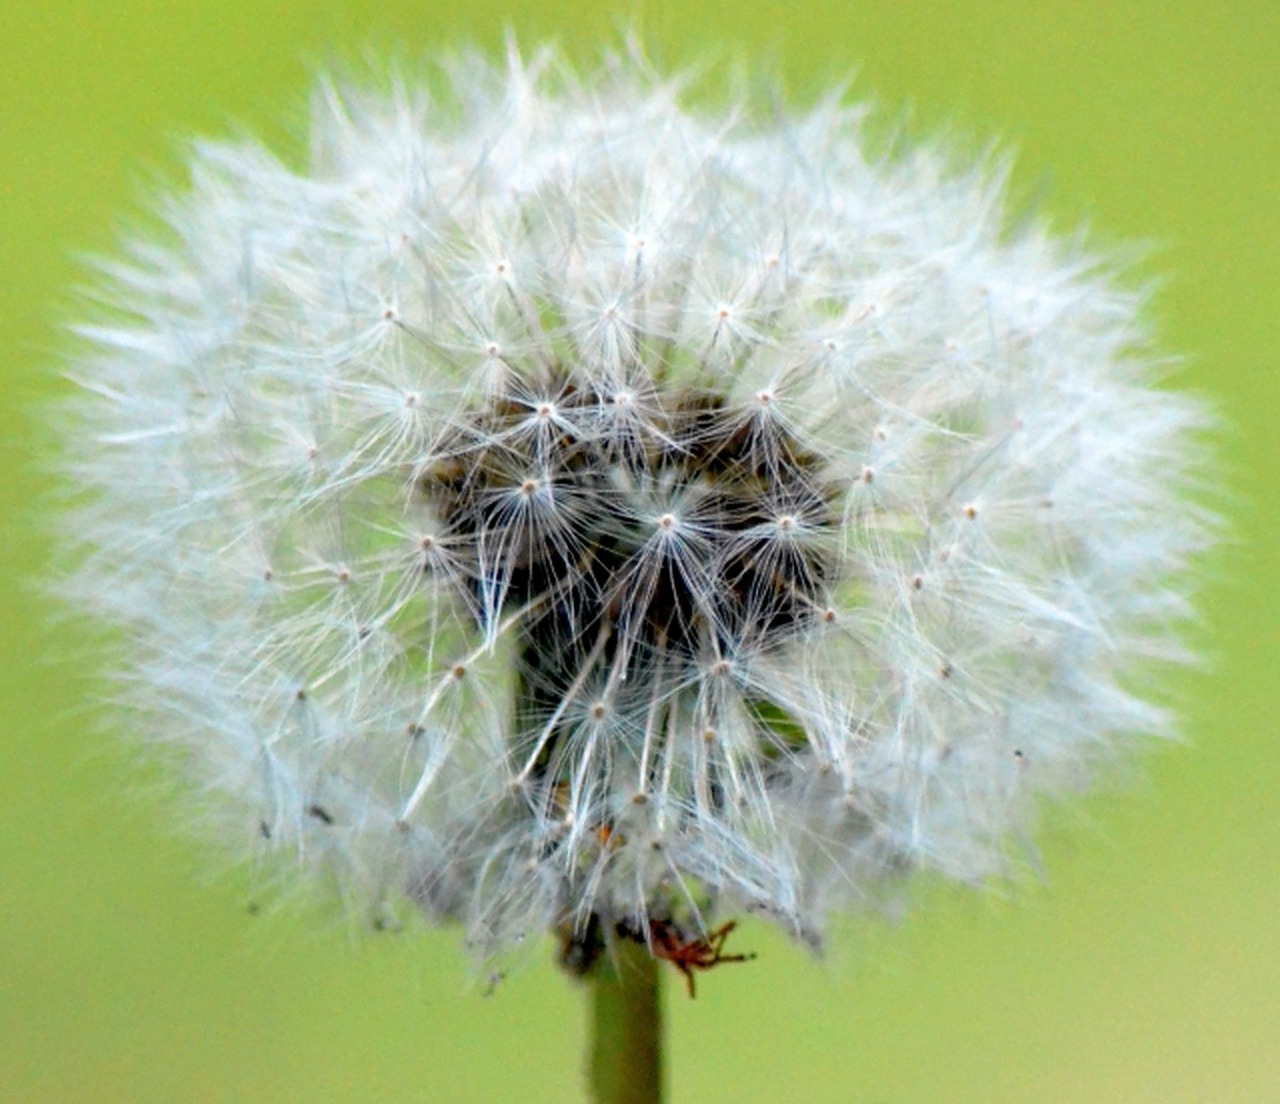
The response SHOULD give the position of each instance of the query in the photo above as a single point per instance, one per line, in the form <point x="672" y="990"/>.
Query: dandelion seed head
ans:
<point x="561" y="506"/>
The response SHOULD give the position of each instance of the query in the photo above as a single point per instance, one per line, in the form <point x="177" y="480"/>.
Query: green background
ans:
<point x="1146" y="967"/>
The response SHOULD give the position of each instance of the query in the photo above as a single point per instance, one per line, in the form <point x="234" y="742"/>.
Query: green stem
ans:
<point x="625" y="1064"/>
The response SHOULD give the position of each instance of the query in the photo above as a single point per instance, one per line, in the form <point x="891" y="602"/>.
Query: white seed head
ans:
<point x="717" y="517"/>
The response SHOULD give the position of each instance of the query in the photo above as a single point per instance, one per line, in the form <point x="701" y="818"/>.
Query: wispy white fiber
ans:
<point x="562" y="502"/>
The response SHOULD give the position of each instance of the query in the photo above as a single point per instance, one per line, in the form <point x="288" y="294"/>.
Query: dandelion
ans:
<point x="562" y="510"/>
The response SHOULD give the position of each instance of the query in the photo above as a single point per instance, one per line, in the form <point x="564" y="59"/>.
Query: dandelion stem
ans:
<point x="625" y="1063"/>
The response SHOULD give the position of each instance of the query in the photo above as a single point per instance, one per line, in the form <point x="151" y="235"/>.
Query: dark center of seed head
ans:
<point x="605" y="603"/>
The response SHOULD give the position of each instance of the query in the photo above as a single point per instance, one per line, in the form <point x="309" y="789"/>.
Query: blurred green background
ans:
<point x="1145" y="968"/>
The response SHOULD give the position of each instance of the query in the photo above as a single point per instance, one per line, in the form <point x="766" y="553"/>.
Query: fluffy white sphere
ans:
<point x="560" y="507"/>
